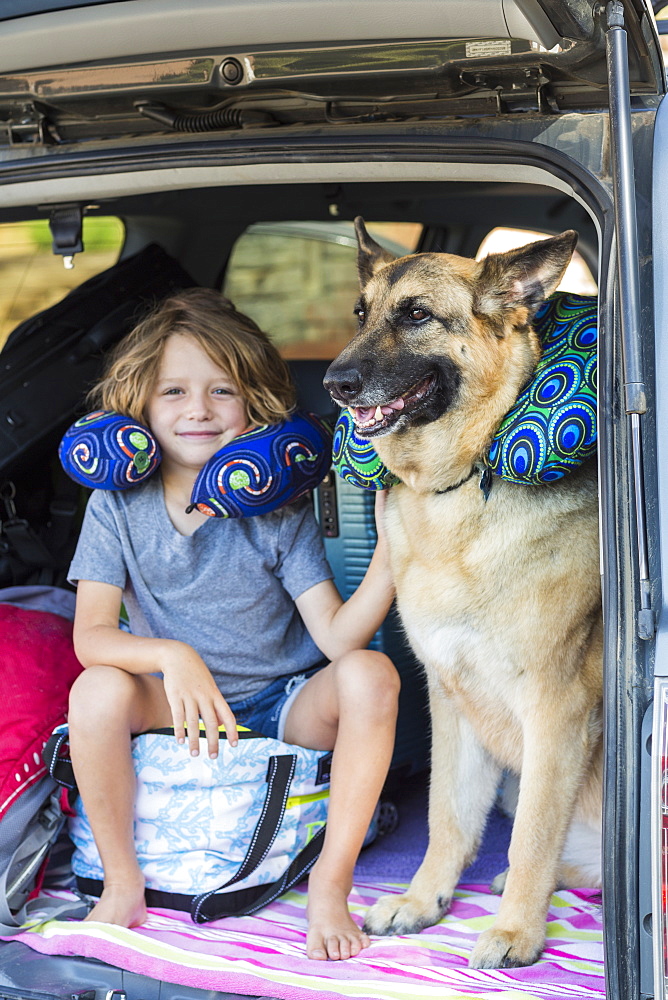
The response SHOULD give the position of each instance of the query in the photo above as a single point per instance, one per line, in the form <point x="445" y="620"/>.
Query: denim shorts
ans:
<point x="266" y="712"/>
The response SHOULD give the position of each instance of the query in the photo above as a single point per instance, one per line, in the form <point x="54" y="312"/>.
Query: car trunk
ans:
<point x="203" y="120"/>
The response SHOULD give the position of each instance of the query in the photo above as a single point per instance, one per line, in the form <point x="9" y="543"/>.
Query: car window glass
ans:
<point x="298" y="280"/>
<point x="578" y="277"/>
<point x="32" y="277"/>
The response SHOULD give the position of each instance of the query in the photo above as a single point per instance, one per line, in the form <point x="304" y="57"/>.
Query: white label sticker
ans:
<point x="488" y="47"/>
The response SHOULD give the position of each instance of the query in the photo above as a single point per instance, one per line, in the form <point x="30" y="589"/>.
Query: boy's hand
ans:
<point x="192" y="695"/>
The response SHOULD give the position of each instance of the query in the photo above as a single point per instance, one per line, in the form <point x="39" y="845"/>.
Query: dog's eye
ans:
<point x="360" y="313"/>
<point x="418" y="315"/>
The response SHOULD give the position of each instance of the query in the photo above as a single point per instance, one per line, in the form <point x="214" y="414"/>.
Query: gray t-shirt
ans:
<point x="228" y="589"/>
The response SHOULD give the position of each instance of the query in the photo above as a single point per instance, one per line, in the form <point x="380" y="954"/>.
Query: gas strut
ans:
<point x="635" y="401"/>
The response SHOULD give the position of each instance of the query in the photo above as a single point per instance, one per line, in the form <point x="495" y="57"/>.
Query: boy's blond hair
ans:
<point x="230" y="339"/>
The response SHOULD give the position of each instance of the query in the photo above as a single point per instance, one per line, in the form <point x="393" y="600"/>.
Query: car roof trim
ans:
<point x="100" y="186"/>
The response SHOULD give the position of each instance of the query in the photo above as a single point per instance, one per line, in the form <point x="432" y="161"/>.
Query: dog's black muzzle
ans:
<point x="343" y="382"/>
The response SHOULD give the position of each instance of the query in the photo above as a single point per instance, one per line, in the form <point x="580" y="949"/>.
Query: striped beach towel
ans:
<point x="264" y="955"/>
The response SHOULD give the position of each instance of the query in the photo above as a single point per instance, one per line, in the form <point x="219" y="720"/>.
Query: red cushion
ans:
<point x="38" y="667"/>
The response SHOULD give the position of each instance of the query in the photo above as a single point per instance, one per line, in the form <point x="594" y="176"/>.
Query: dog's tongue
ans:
<point x="364" y="414"/>
<point x="396" y="404"/>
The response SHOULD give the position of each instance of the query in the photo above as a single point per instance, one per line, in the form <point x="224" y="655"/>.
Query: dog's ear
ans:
<point x="523" y="277"/>
<point x="371" y="256"/>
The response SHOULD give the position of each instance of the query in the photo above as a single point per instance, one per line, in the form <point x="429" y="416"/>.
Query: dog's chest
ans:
<point x="481" y="586"/>
<point x="453" y="558"/>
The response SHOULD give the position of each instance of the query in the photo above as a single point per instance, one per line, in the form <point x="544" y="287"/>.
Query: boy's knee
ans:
<point x="370" y="677"/>
<point x="95" y="690"/>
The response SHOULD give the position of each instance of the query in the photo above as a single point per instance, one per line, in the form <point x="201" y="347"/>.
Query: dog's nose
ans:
<point x="343" y="384"/>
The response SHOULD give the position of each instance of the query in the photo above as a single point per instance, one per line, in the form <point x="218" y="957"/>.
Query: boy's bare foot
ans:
<point x="332" y="932"/>
<point x="120" y="904"/>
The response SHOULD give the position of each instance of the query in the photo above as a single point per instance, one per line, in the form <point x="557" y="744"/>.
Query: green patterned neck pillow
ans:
<point x="549" y="431"/>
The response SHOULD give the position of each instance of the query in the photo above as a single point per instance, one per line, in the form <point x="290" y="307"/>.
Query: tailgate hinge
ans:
<point x="29" y="126"/>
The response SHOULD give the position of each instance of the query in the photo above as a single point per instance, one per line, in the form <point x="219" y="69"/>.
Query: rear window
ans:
<point x="298" y="280"/>
<point x="578" y="277"/>
<point x="32" y="277"/>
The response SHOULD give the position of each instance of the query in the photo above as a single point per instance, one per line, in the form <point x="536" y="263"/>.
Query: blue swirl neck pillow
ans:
<point x="549" y="431"/>
<point x="107" y="451"/>
<point x="259" y="471"/>
<point x="265" y="468"/>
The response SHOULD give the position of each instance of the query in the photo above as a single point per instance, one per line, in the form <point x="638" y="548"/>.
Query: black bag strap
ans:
<point x="26" y="545"/>
<point x="216" y="905"/>
<point x="280" y="772"/>
<point x="57" y="759"/>
<point x="61" y="533"/>
<point x="22" y="540"/>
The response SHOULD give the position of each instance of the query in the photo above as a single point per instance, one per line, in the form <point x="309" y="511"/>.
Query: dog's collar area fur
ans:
<point x="485" y="483"/>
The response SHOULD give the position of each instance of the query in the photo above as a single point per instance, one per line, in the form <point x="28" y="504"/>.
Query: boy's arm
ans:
<point x="99" y="641"/>
<point x="337" y="627"/>
<point x="190" y="689"/>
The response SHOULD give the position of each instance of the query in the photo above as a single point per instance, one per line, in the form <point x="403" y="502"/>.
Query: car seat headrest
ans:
<point x="549" y="431"/>
<point x="259" y="471"/>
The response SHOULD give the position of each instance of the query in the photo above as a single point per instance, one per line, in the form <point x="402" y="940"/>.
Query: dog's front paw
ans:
<point x="404" y="914"/>
<point x="497" y="949"/>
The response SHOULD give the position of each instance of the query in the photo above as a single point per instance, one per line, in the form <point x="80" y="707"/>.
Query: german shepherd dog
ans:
<point x="499" y="594"/>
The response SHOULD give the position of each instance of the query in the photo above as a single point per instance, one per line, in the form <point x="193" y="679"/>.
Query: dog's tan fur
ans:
<point x="500" y="599"/>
